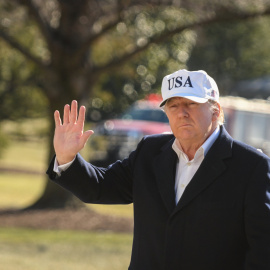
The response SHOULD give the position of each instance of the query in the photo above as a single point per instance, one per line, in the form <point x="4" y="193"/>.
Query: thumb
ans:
<point x="86" y="135"/>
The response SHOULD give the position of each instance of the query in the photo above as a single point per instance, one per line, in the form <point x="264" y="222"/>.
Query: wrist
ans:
<point x="64" y="160"/>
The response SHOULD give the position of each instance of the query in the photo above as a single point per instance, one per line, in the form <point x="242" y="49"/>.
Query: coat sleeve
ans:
<point x="91" y="184"/>
<point x="257" y="218"/>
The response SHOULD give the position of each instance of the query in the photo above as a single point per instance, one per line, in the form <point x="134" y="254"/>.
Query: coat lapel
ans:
<point x="164" y="168"/>
<point x="211" y="167"/>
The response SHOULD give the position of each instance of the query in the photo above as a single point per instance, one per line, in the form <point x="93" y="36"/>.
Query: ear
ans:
<point x="216" y="112"/>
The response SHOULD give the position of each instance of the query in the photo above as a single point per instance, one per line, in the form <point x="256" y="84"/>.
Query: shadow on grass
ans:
<point x="64" y="219"/>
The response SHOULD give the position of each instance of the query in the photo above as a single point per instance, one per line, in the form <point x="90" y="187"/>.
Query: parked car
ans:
<point x="248" y="120"/>
<point x="115" y="138"/>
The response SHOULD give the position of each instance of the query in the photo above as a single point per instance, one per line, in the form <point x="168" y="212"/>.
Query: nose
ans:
<point x="182" y="112"/>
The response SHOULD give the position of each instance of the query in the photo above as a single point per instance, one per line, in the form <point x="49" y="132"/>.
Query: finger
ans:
<point x="73" y="112"/>
<point x="57" y="119"/>
<point x="66" y="114"/>
<point x="81" y="117"/>
<point x="86" y="135"/>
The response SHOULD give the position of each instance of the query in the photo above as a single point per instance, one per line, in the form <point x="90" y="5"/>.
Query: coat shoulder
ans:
<point x="159" y="139"/>
<point x="248" y="151"/>
<point x="153" y="144"/>
<point x="239" y="149"/>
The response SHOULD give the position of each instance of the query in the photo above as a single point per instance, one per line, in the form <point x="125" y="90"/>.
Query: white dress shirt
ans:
<point x="185" y="168"/>
<point x="60" y="168"/>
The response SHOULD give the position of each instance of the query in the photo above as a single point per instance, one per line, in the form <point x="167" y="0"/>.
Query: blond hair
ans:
<point x="214" y="106"/>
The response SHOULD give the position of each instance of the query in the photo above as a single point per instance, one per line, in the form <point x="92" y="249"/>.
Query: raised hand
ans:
<point x="69" y="136"/>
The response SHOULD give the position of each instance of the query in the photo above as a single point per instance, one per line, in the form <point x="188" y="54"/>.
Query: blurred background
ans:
<point x="111" y="56"/>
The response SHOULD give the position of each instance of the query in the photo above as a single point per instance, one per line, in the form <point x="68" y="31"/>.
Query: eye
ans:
<point x="172" y="105"/>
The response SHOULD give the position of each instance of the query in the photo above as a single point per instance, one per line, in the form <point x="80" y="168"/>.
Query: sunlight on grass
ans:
<point x="27" y="144"/>
<point x="19" y="190"/>
<point x="26" y="128"/>
<point x="117" y="210"/>
<point x="28" y="151"/>
<point x="70" y="250"/>
<point x="25" y="155"/>
<point x="27" y="249"/>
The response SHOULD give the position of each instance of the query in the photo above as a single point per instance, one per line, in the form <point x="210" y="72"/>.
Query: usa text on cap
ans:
<point x="194" y="85"/>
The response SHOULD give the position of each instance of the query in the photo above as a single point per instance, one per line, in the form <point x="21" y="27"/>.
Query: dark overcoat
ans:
<point x="222" y="221"/>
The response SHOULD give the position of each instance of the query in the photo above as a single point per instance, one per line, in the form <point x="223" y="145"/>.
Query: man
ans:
<point x="201" y="199"/>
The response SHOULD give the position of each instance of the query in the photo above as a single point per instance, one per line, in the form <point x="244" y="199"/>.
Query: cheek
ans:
<point x="170" y="117"/>
<point x="172" y="123"/>
<point x="204" y="119"/>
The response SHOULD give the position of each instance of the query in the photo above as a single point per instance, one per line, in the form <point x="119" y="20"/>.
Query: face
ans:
<point x="191" y="122"/>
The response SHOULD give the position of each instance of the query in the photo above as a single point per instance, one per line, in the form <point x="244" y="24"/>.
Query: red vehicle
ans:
<point x="115" y="138"/>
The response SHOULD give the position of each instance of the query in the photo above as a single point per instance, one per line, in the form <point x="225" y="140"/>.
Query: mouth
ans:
<point x="184" y="125"/>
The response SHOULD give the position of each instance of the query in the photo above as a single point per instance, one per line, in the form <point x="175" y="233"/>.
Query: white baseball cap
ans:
<point x="194" y="85"/>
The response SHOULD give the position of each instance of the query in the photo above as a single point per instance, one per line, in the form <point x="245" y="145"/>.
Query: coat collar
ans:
<point x="165" y="168"/>
<point x="211" y="167"/>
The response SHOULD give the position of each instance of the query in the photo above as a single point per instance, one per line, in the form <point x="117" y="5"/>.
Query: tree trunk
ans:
<point x="54" y="196"/>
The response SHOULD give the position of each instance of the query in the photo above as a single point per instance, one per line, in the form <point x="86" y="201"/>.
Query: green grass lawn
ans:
<point x="23" y="249"/>
<point x="19" y="190"/>
<point x="25" y="155"/>
<point x="28" y="150"/>
<point x="27" y="147"/>
<point x="28" y="249"/>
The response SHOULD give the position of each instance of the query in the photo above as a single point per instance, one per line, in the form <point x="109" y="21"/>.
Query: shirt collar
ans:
<point x="203" y="150"/>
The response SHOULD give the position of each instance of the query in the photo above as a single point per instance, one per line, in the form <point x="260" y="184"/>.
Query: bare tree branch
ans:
<point x="87" y="43"/>
<point x="13" y="43"/>
<point x="42" y="24"/>
<point x="85" y="46"/>
<point x="168" y="34"/>
<point x="132" y="3"/>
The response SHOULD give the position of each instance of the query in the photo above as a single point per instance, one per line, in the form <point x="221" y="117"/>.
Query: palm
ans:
<point x="69" y="137"/>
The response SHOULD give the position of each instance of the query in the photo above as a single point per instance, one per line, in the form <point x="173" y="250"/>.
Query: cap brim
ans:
<point x="193" y="98"/>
